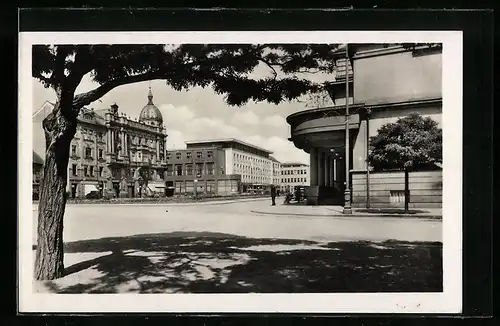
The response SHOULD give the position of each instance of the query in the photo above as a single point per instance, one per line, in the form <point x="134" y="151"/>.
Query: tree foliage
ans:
<point x="412" y="142"/>
<point x="228" y="69"/>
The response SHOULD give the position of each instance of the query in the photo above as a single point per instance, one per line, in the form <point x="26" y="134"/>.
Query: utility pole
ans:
<point x="347" y="192"/>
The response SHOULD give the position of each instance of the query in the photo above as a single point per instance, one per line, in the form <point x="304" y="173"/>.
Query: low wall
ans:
<point x="387" y="189"/>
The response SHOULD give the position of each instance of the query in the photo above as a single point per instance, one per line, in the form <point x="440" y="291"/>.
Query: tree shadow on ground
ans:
<point x="221" y="263"/>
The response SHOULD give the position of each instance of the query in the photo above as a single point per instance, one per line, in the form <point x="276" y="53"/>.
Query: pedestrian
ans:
<point x="273" y="195"/>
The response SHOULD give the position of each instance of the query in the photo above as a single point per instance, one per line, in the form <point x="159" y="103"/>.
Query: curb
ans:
<point x="393" y="216"/>
<point x="201" y="203"/>
<point x="215" y="202"/>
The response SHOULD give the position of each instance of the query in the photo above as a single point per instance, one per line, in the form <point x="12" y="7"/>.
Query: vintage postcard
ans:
<point x="291" y="172"/>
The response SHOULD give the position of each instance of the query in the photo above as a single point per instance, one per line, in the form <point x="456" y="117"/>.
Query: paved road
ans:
<point x="98" y="221"/>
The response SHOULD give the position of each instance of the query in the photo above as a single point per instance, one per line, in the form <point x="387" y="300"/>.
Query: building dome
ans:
<point x="150" y="113"/>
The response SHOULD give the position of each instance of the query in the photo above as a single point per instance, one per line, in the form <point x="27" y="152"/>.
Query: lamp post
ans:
<point x="368" y="115"/>
<point x="347" y="192"/>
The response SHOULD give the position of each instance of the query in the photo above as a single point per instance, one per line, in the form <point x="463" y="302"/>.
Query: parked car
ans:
<point x="299" y="193"/>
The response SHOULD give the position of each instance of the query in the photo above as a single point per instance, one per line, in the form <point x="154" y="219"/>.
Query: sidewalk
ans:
<point x="191" y="203"/>
<point x="336" y="211"/>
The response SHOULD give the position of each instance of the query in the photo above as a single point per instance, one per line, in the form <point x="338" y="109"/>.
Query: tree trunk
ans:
<point x="59" y="127"/>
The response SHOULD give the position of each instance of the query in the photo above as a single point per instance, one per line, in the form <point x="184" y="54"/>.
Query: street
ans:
<point x="84" y="222"/>
<point x="226" y="248"/>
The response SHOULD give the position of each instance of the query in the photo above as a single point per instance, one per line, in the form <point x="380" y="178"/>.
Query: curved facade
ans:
<point x="385" y="83"/>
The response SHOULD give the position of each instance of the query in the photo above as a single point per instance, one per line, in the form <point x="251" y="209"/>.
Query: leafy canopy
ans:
<point x="412" y="142"/>
<point x="228" y="69"/>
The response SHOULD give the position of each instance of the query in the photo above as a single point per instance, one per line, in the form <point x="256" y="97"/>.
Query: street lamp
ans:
<point x="368" y="116"/>
<point x="347" y="192"/>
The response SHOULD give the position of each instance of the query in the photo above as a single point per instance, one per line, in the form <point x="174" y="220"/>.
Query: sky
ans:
<point x="197" y="114"/>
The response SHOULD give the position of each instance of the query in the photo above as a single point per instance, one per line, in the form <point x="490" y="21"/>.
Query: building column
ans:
<point x="157" y="148"/>
<point x="332" y="172"/>
<point x="313" y="167"/>
<point x="321" y="168"/>
<point x="125" y="142"/>
<point x="327" y="170"/>
<point x="112" y="141"/>
<point x="124" y="147"/>
<point x="108" y="142"/>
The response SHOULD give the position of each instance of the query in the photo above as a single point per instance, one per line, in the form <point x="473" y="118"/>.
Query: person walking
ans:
<point x="273" y="195"/>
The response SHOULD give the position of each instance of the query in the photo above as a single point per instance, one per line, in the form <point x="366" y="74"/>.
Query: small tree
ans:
<point x="412" y="143"/>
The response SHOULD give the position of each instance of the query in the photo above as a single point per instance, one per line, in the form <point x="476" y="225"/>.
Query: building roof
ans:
<point x="274" y="159"/>
<point x="294" y="163"/>
<point x="151" y="113"/>
<point x="226" y="140"/>
<point x="37" y="159"/>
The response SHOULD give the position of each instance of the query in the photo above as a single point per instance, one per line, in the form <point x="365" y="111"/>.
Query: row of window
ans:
<point x="208" y="186"/>
<point x="87" y="134"/>
<point x="189" y="155"/>
<point x="251" y="169"/>
<point x="290" y="172"/>
<point x="88" y="152"/>
<point x="188" y="169"/>
<point x="255" y="178"/>
<point x="88" y="170"/>
<point x="293" y="180"/>
<point x="246" y="158"/>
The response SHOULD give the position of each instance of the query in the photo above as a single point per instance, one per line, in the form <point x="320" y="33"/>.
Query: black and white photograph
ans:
<point x="240" y="171"/>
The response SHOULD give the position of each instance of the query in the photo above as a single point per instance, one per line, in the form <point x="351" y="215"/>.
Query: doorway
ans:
<point x="116" y="188"/>
<point x="73" y="190"/>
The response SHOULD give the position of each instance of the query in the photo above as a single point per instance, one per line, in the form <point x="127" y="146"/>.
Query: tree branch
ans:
<point x="269" y="65"/>
<point x="83" y="99"/>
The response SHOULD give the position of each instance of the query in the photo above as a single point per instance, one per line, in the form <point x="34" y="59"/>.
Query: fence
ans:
<point x="387" y="189"/>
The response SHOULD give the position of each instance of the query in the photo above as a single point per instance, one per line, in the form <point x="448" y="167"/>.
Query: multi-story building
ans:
<point x="252" y="162"/>
<point x="294" y="174"/>
<point x="234" y="166"/>
<point x="109" y="148"/>
<point x="200" y="170"/>
<point x="276" y="174"/>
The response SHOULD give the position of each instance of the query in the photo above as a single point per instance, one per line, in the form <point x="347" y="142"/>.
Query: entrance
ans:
<point x="169" y="189"/>
<point x="73" y="190"/>
<point x="116" y="188"/>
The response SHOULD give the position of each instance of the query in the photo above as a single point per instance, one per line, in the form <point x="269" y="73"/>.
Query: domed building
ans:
<point x="150" y="114"/>
<point x="109" y="147"/>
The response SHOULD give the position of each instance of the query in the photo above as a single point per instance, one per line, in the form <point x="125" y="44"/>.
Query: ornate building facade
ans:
<point x="109" y="149"/>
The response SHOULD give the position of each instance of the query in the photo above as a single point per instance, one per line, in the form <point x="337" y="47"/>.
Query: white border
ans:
<point x="450" y="301"/>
